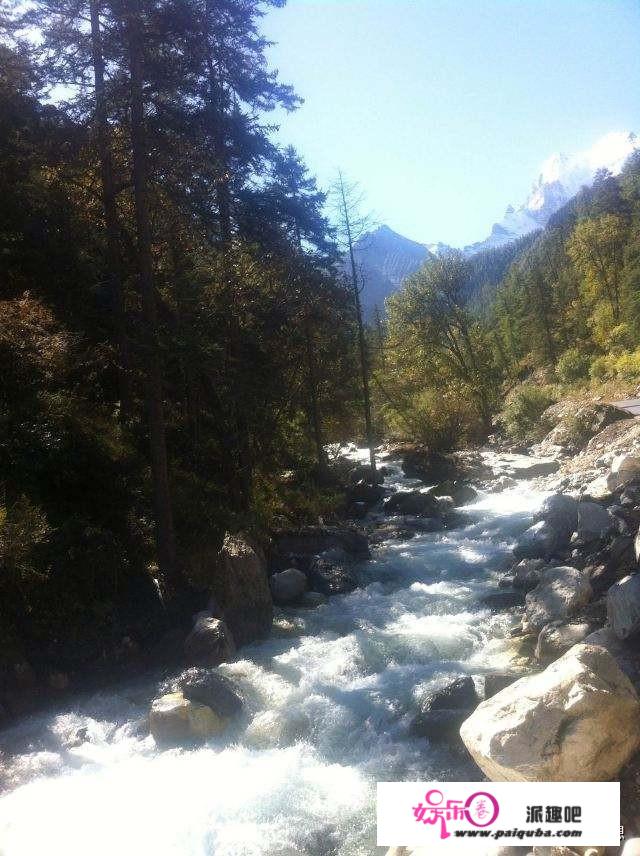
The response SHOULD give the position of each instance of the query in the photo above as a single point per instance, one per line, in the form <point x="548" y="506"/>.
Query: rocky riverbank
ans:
<point x="394" y="626"/>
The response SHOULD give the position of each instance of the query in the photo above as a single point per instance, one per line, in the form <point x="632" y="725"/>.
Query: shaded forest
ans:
<point x="176" y="345"/>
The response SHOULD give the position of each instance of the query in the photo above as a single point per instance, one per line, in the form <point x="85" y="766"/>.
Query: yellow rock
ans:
<point x="175" y="720"/>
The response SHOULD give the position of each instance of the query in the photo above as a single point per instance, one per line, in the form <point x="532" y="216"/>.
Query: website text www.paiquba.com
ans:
<point x="518" y="833"/>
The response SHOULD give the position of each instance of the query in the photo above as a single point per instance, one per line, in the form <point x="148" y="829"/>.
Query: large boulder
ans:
<point x="526" y="574"/>
<point x="624" y="469"/>
<point x="577" y="721"/>
<point x="209" y="643"/>
<point x="329" y="578"/>
<point x="540" y="541"/>
<point x="594" y="521"/>
<point x="176" y="721"/>
<point x="559" y="595"/>
<point x="412" y="502"/>
<point x="459" y="692"/>
<point x="240" y="589"/>
<point x="431" y="467"/>
<point x="623" y="607"/>
<point x="560" y="512"/>
<point x="288" y="586"/>
<point x="443" y="712"/>
<point x="460" y="492"/>
<point x="214" y="690"/>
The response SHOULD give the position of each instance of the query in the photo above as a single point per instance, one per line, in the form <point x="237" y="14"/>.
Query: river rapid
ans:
<point x="329" y="698"/>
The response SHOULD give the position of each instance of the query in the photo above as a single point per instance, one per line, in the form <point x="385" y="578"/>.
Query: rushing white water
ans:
<point x="329" y="698"/>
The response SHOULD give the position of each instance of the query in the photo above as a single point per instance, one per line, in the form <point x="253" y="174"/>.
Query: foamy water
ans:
<point x="329" y="699"/>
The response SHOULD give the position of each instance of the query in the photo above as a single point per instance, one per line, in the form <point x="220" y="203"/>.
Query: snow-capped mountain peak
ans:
<point x="560" y="177"/>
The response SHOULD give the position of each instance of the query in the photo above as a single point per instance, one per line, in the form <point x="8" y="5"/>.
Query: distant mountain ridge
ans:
<point x="385" y="258"/>
<point x="561" y="177"/>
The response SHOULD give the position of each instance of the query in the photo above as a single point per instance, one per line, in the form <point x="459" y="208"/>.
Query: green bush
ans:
<point x="522" y="414"/>
<point x="573" y="365"/>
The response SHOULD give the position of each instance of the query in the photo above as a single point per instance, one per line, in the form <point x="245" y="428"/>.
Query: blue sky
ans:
<point x="443" y="110"/>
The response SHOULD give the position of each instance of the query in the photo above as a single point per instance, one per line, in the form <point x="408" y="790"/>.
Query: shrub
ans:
<point x="521" y="416"/>
<point x="573" y="365"/>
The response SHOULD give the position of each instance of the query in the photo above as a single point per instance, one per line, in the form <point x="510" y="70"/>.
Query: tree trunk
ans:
<point x="165" y="539"/>
<point x="314" y="406"/>
<point x="113" y="258"/>
<point x="364" y="361"/>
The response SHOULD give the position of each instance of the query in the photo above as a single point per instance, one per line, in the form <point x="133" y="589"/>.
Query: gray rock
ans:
<point x="460" y="492"/>
<point x="637" y="546"/>
<point x="330" y="579"/>
<point x="624" y="469"/>
<point x="288" y="586"/>
<point x="210" y="642"/>
<point x="578" y="720"/>
<point x="562" y="591"/>
<point x="412" y="502"/>
<point x="240" y="587"/>
<point x="623" y="607"/>
<point x="527" y="573"/>
<point x="494" y="682"/>
<point x="312" y="540"/>
<point x="216" y="691"/>
<point x="594" y="521"/>
<point x="312" y="599"/>
<point x="460" y="692"/>
<point x="560" y="512"/>
<point x="555" y="639"/>
<point x="440" y="724"/>
<point x="539" y="541"/>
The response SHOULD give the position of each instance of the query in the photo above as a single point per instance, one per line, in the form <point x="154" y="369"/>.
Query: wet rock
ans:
<point x="494" y="682"/>
<point x="412" y="502"/>
<point x="313" y="540"/>
<point x="460" y="692"/>
<point x="527" y="573"/>
<point x="561" y="592"/>
<point x="460" y="492"/>
<point x="440" y="724"/>
<point x="578" y="720"/>
<point x="312" y="599"/>
<point x="216" y="691"/>
<point x="363" y="472"/>
<point x="540" y="541"/>
<point x="209" y="643"/>
<point x="445" y="709"/>
<point x="288" y="586"/>
<point x="623" y="607"/>
<point x="365" y="493"/>
<point x="330" y="579"/>
<point x="176" y="721"/>
<point x="240" y="587"/>
<point x="503" y="599"/>
<point x="560" y="512"/>
<point x="594" y="521"/>
<point x="554" y="639"/>
<point x="430" y="467"/>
